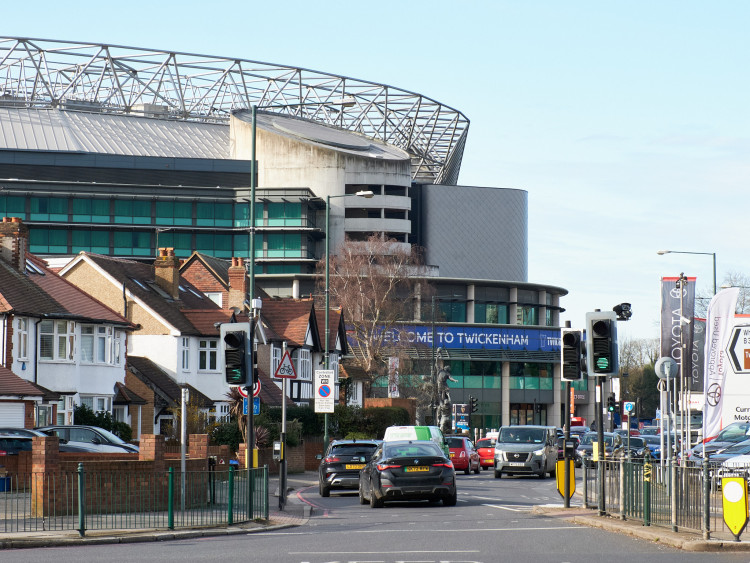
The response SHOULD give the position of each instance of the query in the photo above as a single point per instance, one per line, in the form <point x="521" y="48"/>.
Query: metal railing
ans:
<point x="83" y="500"/>
<point x="686" y="498"/>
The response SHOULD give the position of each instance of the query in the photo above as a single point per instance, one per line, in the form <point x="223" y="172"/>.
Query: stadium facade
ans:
<point x="121" y="151"/>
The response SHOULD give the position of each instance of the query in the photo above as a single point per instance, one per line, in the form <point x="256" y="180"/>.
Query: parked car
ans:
<point x="623" y="432"/>
<point x="733" y="433"/>
<point x="408" y="470"/>
<point x="637" y="447"/>
<point x="15" y="440"/>
<point x="463" y="454"/>
<point x="486" y="451"/>
<point x="611" y="441"/>
<point x="653" y="443"/>
<point x="735" y="466"/>
<point x="739" y="449"/>
<point x="526" y="450"/>
<point x="339" y="467"/>
<point x="103" y="440"/>
<point x="650" y="431"/>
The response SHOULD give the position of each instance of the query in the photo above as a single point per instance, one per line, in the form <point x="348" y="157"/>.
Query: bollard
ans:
<point x="230" y="497"/>
<point x="81" y="501"/>
<point x="647" y="490"/>
<point x="170" y="499"/>
<point x="706" y="501"/>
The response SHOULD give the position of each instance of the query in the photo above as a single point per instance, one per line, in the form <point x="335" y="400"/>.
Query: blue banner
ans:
<point x="478" y="338"/>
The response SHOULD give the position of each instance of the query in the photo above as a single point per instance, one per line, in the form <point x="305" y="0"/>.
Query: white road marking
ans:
<point x="523" y="509"/>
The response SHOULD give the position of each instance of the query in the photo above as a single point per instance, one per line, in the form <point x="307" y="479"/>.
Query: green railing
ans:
<point x="88" y="500"/>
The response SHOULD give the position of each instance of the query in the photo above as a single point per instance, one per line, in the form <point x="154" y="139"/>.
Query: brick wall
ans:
<point x="201" y="278"/>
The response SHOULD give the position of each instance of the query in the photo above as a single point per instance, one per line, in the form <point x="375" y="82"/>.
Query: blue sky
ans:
<point x="626" y="122"/>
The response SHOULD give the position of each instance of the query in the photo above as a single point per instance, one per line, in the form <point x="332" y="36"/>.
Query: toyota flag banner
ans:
<point x="719" y="322"/>
<point x="671" y="320"/>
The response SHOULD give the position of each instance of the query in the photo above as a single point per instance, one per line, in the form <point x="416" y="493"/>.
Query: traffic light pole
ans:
<point x="566" y="451"/>
<point x="600" y="449"/>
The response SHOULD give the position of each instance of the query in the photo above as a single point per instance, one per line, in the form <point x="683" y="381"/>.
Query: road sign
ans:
<point x="629" y="406"/>
<point x="286" y="368"/>
<point x="324" y="390"/>
<point x="256" y="388"/>
<point x="242" y="391"/>
<point x="739" y="349"/>
<point x="256" y="406"/>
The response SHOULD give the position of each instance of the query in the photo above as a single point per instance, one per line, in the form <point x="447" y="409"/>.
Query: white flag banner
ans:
<point x="719" y="323"/>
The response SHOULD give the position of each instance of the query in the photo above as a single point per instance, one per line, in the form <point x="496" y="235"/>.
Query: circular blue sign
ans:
<point x="324" y="390"/>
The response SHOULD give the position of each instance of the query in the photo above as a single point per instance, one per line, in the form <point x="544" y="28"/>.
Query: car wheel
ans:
<point x="485" y="468"/>
<point x="324" y="490"/>
<point x="362" y="499"/>
<point x="451" y="500"/>
<point x="542" y="475"/>
<point x="375" y="502"/>
<point x="468" y="469"/>
<point x="553" y="473"/>
<point x="498" y="474"/>
<point x="478" y="469"/>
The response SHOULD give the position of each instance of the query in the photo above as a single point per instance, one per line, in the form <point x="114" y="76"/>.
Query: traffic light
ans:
<point x="473" y="404"/>
<point x="253" y="361"/>
<point x="571" y="350"/>
<point x="601" y="343"/>
<point x="234" y="357"/>
<point x="611" y="402"/>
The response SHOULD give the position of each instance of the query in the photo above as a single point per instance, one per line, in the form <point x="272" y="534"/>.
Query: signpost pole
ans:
<point x="282" y="461"/>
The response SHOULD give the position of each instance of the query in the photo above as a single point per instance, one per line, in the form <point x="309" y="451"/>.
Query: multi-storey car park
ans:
<point x="120" y="151"/>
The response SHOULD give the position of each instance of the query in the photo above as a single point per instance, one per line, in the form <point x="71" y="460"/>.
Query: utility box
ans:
<point x="277" y="451"/>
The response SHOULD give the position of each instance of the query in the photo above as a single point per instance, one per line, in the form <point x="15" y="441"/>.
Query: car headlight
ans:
<point x="538" y="452"/>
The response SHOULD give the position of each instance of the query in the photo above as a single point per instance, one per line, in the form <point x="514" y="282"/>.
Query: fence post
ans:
<point x="584" y="470"/>
<point x="673" y="494"/>
<point x="647" y="490"/>
<point x="622" y="489"/>
<point x="81" y="501"/>
<point x="170" y="499"/>
<point x="706" y="501"/>
<point x="230" y="499"/>
<point x="265" y="492"/>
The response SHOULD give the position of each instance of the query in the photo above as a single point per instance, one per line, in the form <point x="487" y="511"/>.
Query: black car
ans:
<point x="98" y="438"/>
<point x="612" y="442"/>
<point x="339" y="468"/>
<point x="15" y="440"/>
<point x="408" y="470"/>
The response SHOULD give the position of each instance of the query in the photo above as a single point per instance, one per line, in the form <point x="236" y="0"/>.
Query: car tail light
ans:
<point x="331" y="459"/>
<point x="463" y="454"/>
<point x="383" y="466"/>
<point x="2" y="452"/>
<point x="448" y="464"/>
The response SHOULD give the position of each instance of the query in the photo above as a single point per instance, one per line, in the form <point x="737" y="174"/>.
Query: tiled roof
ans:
<point x="204" y="321"/>
<point x="336" y="329"/>
<point x="270" y="394"/>
<point x="127" y="396"/>
<point x="167" y="387"/>
<point x="11" y="384"/>
<point x="290" y="320"/>
<point x="40" y="291"/>
<point x="349" y="368"/>
<point x="128" y="271"/>
<point x="218" y="267"/>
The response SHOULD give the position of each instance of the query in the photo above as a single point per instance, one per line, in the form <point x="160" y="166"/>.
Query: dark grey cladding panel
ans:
<point x="476" y="232"/>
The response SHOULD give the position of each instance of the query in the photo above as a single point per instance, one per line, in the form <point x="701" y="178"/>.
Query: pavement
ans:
<point x="297" y="512"/>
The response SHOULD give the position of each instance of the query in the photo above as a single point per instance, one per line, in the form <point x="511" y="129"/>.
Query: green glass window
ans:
<point x="48" y="241"/>
<point x="531" y="376"/>
<point x="87" y="210"/>
<point x="527" y="315"/>
<point x="49" y="209"/>
<point x="580" y="385"/>
<point x="213" y="214"/>
<point x="174" y="213"/>
<point x="127" y="243"/>
<point x="136" y="212"/>
<point x="492" y="382"/>
<point x="473" y="381"/>
<point x="12" y="206"/>
<point x="453" y="311"/>
<point x="491" y="313"/>
<point x="181" y="242"/>
<point x="90" y="241"/>
<point x="242" y="214"/>
<point x="219" y="246"/>
<point x="283" y="269"/>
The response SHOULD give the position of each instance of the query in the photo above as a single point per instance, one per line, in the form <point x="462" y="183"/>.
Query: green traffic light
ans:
<point x="602" y="363"/>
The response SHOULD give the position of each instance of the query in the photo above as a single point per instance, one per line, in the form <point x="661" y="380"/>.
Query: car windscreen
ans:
<point x="651" y="439"/>
<point x="522" y="435"/>
<point x="589" y="439"/>
<point x="15" y="445"/>
<point x="353" y="449"/>
<point x="734" y="433"/>
<point x="636" y="442"/>
<point x="412" y="449"/>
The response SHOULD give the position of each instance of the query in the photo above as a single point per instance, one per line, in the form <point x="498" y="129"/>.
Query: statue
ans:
<point x="444" y="396"/>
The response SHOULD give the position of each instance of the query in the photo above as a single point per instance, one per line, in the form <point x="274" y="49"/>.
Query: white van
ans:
<point x="431" y="433"/>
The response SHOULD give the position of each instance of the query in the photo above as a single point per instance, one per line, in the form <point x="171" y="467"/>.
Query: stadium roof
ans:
<point x="184" y="87"/>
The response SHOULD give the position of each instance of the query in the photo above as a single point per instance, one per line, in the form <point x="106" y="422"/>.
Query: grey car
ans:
<point x="99" y="438"/>
<point x="529" y="450"/>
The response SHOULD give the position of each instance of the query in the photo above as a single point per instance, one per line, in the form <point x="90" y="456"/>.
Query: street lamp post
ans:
<point x="366" y="194"/>
<point x="712" y="254"/>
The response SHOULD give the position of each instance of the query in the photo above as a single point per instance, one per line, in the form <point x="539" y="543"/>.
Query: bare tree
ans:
<point x="732" y="279"/>
<point x="379" y="284"/>
<point x="637" y="377"/>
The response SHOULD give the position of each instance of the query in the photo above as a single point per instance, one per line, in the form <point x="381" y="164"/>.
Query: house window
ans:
<point x="275" y="359"/>
<point x="208" y="355"/>
<point x="214" y="296"/>
<point x="185" y="348"/>
<point x="65" y="408"/>
<point x="304" y="364"/>
<point x="97" y="404"/>
<point x="333" y="363"/>
<point x="56" y="339"/>
<point x="23" y="339"/>
<point x="118" y="347"/>
<point x="97" y="344"/>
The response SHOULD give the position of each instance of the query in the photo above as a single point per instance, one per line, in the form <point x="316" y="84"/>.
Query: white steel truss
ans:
<point x="41" y="73"/>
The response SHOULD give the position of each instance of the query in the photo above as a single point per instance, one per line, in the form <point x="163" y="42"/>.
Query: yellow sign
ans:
<point x="595" y="451"/>
<point x="734" y="493"/>
<point x="560" y="476"/>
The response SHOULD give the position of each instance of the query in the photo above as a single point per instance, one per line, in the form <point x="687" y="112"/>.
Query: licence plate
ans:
<point x="453" y="455"/>
<point x="416" y="468"/>
<point x="355" y="465"/>
<point x="516" y="464"/>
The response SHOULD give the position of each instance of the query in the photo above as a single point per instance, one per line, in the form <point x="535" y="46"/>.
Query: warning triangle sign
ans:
<point x="286" y="368"/>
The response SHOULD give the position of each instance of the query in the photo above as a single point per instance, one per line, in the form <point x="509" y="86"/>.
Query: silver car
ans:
<point x="529" y="450"/>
